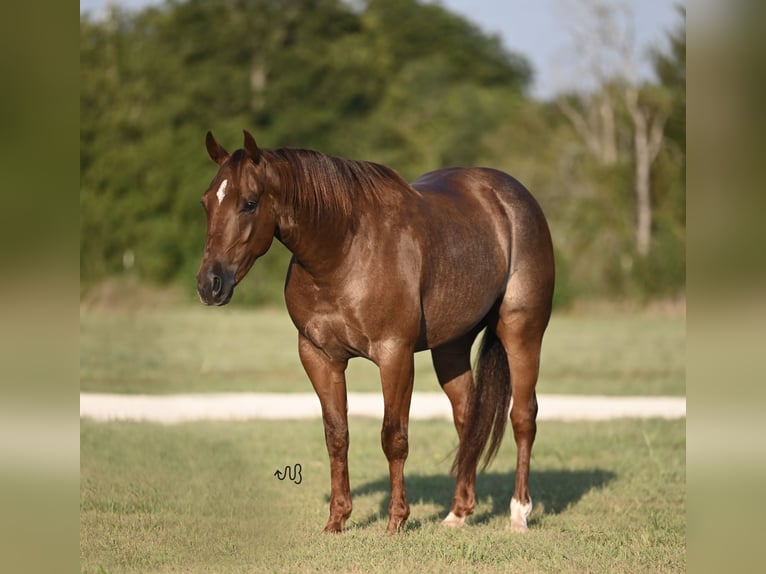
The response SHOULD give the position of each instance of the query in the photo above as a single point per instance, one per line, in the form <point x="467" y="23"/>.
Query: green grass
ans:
<point x="615" y="354"/>
<point x="198" y="349"/>
<point x="610" y="497"/>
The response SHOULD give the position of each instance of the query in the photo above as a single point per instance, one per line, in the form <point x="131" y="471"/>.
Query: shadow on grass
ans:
<point x="553" y="490"/>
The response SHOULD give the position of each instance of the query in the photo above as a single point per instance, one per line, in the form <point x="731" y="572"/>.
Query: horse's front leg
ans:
<point x="397" y="372"/>
<point x="329" y="380"/>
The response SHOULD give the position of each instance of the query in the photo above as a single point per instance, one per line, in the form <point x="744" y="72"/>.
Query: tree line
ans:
<point x="400" y="82"/>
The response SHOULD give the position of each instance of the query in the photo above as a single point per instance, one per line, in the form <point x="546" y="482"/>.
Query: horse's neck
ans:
<point x="327" y="201"/>
<point x="318" y="245"/>
<point x="317" y="253"/>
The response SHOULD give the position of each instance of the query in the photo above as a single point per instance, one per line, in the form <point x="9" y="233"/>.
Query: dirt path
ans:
<point x="170" y="409"/>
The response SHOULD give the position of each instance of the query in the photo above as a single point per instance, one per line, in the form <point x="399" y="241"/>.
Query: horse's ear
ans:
<point x="251" y="147"/>
<point x="215" y="150"/>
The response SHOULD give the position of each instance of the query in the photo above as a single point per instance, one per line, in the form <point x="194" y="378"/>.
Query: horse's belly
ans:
<point x="451" y="313"/>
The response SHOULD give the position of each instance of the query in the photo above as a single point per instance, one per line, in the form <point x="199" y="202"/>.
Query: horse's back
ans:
<point x="503" y="199"/>
<point x="458" y="182"/>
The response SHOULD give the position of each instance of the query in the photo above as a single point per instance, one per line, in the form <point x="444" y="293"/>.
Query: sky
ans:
<point x="538" y="29"/>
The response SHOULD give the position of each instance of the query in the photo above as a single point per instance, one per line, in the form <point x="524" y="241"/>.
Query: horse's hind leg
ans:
<point x="452" y="364"/>
<point x="520" y="328"/>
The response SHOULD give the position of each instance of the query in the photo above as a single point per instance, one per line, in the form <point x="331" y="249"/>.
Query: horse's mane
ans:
<point x="325" y="187"/>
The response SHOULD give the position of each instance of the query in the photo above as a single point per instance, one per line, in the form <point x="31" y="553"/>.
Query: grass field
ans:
<point x="197" y="349"/>
<point x="610" y="497"/>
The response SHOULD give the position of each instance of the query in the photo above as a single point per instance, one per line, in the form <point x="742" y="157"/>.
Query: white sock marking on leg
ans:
<point x="519" y="514"/>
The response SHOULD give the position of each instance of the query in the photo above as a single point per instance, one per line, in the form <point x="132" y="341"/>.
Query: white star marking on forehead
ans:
<point x="221" y="193"/>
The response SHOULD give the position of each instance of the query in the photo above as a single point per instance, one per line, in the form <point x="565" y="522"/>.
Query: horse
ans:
<point x="382" y="269"/>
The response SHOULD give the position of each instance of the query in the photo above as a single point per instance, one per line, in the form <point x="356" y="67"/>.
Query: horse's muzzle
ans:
<point x="215" y="285"/>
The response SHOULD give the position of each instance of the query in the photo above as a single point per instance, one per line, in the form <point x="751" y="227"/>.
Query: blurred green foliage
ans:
<point x="399" y="82"/>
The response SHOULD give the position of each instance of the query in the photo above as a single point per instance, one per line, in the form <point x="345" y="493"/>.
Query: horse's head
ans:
<point x="241" y="219"/>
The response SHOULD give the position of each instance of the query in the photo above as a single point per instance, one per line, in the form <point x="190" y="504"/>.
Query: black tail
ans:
<point x="487" y="410"/>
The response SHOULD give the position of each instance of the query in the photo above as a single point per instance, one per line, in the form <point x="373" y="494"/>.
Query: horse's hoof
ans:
<point x="520" y="527"/>
<point x="453" y="521"/>
<point x="519" y="514"/>
<point x="395" y="526"/>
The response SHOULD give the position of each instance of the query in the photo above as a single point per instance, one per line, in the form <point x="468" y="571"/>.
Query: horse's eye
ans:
<point x="249" y="206"/>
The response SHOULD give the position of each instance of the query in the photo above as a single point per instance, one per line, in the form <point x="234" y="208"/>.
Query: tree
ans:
<point x="603" y="41"/>
<point x="648" y="116"/>
<point x="397" y="80"/>
<point x="670" y="68"/>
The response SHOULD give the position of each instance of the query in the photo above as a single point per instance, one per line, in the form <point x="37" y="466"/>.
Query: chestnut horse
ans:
<point x="382" y="269"/>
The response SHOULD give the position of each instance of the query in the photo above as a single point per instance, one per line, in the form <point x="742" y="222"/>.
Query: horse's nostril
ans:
<point x="216" y="285"/>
